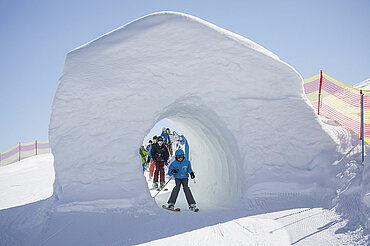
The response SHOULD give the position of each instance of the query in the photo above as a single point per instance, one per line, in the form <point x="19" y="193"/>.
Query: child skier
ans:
<point x="144" y="155"/>
<point x="184" y="141"/>
<point x="159" y="154"/>
<point x="180" y="169"/>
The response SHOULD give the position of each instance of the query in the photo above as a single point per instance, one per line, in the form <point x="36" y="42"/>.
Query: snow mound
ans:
<point x="31" y="181"/>
<point x="242" y="110"/>
<point x="364" y="85"/>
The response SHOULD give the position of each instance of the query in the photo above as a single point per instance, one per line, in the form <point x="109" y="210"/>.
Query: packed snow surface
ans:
<point x="26" y="181"/>
<point x="256" y="144"/>
<point x="300" y="226"/>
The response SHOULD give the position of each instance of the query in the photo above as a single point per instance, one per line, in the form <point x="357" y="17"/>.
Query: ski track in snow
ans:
<point x="302" y="226"/>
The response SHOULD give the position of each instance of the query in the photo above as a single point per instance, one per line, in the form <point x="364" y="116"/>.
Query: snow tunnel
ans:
<point x="233" y="100"/>
<point x="214" y="156"/>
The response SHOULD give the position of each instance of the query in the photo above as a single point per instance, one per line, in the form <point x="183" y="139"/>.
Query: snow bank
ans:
<point x="364" y="85"/>
<point x="26" y="181"/>
<point x="242" y="110"/>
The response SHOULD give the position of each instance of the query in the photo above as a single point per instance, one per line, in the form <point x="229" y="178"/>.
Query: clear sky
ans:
<point x="333" y="35"/>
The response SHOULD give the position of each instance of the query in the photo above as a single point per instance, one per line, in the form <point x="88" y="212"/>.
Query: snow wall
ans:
<point x="241" y="108"/>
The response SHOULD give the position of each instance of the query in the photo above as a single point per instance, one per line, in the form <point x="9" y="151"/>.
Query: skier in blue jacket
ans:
<point x="184" y="141"/>
<point x="166" y="136"/>
<point x="180" y="168"/>
<point x="166" y="139"/>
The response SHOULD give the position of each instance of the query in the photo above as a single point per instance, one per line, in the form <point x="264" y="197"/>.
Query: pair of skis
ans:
<point x="178" y="209"/>
<point x="163" y="188"/>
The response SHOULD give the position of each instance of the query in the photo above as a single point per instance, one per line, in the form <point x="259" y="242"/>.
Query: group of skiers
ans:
<point x="155" y="157"/>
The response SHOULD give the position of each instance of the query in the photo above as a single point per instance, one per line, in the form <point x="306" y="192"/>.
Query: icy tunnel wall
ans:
<point x="233" y="99"/>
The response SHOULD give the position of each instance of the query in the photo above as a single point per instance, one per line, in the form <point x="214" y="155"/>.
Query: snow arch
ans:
<point x="216" y="86"/>
<point x="214" y="154"/>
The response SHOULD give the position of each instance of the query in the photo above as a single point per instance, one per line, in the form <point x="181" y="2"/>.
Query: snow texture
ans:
<point x="364" y="85"/>
<point x="26" y="187"/>
<point x="242" y="110"/>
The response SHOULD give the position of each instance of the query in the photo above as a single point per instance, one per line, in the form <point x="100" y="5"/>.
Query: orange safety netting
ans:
<point x="340" y="102"/>
<point x="23" y="150"/>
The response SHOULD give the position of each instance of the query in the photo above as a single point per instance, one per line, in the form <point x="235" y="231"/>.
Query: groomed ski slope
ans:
<point x="301" y="226"/>
<point x="27" y="181"/>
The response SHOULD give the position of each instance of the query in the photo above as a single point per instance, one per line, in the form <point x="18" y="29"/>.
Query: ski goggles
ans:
<point x="160" y="142"/>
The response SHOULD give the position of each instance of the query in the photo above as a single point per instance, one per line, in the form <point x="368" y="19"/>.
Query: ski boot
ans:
<point x="155" y="185"/>
<point x="161" y="185"/>
<point x="193" y="208"/>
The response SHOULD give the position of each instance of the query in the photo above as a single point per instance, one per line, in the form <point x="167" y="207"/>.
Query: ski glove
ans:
<point x="174" y="171"/>
<point x="192" y="175"/>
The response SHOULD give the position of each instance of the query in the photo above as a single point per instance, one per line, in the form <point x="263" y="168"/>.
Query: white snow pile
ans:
<point x="364" y="85"/>
<point x="256" y="144"/>
<point x="240" y="107"/>
<point x="26" y="186"/>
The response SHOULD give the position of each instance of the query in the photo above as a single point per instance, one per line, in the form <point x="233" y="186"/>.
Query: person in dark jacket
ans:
<point x="180" y="169"/>
<point x="159" y="154"/>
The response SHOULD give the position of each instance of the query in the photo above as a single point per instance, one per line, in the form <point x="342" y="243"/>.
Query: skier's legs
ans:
<point x="188" y="195"/>
<point x="175" y="192"/>
<point x="161" y="171"/>
<point x="156" y="172"/>
<point x="170" y="149"/>
<point x="151" y="168"/>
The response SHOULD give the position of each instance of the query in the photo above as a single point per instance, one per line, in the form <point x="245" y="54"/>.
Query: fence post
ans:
<point x="36" y="146"/>
<point x="19" y="151"/>
<point x="319" y="102"/>
<point x="362" y="137"/>
<point x="361" y="115"/>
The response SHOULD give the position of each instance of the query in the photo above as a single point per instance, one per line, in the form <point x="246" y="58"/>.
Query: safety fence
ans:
<point x="24" y="150"/>
<point x="348" y="106"/>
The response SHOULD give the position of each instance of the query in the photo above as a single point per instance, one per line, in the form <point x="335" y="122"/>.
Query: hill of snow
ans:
<point x="364" y="85"/>
<point x="31" y="181"/>
<point x="256" y="145"/>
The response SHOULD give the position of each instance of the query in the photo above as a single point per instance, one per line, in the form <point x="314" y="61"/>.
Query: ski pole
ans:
<point x="163" y="186"/>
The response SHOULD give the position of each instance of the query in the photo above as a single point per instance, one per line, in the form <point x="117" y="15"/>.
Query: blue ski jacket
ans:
<point x="150" y="149"/>
<point x="185" y="141"/>
<point x="183" y="169"/>
<point x="166" y="137"/>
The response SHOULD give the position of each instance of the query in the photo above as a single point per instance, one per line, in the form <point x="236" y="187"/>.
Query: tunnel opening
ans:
<point x="214" y="158"/>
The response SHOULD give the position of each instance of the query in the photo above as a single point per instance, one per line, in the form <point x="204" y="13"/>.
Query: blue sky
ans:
<point x="333" y="35"/>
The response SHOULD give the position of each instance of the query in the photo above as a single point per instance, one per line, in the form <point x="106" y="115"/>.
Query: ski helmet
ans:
<point x="163" y="129"/>
<point x="179" y="154"/>
<point x="160" y="139"/>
